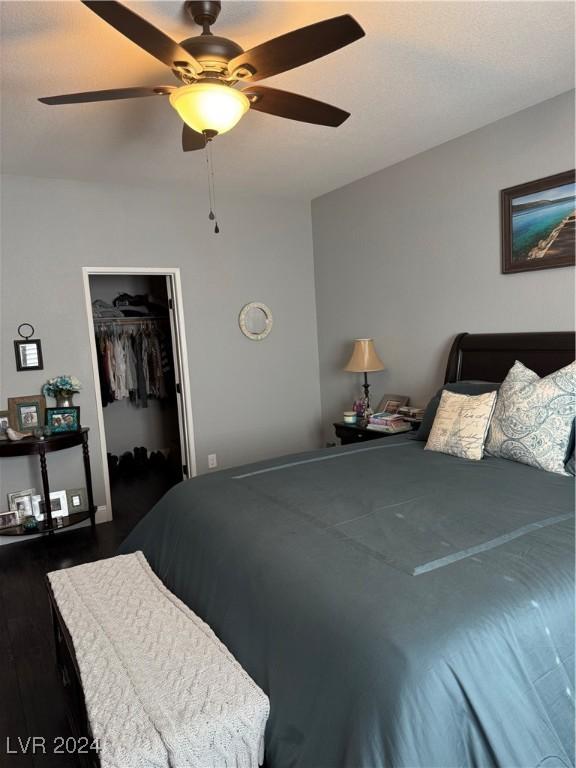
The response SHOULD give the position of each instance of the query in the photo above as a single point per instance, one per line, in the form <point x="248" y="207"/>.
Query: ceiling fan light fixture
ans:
<point x="212" y="107"/>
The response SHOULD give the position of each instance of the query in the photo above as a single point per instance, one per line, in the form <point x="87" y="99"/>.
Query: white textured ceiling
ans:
<point x="426" y="72"/>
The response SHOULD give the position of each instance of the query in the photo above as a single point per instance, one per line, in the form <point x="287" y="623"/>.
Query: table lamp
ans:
<point x="364" y="359"/>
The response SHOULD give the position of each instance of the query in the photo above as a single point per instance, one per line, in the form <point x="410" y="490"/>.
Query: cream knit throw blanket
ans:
<point x="161" y="690"/>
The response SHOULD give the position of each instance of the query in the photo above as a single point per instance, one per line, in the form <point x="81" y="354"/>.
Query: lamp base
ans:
<point x="366" y="388"/>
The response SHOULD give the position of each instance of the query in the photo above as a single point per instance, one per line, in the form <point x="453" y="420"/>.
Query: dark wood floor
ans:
<point x="31" y="696"/>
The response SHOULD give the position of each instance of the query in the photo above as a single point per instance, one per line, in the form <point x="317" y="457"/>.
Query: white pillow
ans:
<point x="533" y="417"/>
<point x="461" y="424"/>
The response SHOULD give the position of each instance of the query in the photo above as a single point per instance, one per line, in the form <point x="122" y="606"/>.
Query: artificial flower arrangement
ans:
<point x="360" y="408"/>
<point x="61" y="386"/>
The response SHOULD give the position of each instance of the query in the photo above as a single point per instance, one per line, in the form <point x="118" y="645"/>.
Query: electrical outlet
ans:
<point x="212" y="461"/>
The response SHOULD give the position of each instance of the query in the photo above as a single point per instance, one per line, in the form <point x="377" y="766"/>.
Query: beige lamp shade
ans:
<point x="364" y="357"/>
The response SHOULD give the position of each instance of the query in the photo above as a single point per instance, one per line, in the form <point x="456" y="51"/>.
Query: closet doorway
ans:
<point x="139" y="359"/>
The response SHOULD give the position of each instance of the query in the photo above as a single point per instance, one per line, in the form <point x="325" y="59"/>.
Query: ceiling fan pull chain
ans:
<point x="216" y="227"/>
<point x="211" y="215"/>
<point x="211" y="187"/>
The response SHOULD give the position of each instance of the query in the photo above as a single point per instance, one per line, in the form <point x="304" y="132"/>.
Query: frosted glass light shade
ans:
<point x="209" y="106"/>
<point x="364" y="357"/>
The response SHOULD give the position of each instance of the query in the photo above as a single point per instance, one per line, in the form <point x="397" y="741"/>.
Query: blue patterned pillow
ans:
<point x="533" y="417"/>
<point x="571" y="460"/>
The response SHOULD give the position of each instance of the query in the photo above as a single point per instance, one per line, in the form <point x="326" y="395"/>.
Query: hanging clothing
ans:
<point x="131" y="375"/>
<point x="141" y="391"/>
<point x="133" y="362"/>
<point x="106" y="394"/>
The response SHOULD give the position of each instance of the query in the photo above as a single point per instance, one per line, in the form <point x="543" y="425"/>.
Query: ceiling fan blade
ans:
<point x="109" y="95"/>
<point x="192" y="140"/>
<point x="144" y="34"/>
<point x="294" y="107"/>
<point x="296" y="48"/>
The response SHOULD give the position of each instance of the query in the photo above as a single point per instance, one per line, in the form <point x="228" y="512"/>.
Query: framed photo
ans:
<point x="4" y="424"/>
<point x="58" y="505"/>
<point x="26" y="413"/>
<point x="9" y="519"/>
<point x="28" y="354"/>
<point x="391" y="403"/>
<point x="77" y="500"/>
<point x="63" y="419"/>
<point x="538" y="221"/>
<point x="21" y="502"/>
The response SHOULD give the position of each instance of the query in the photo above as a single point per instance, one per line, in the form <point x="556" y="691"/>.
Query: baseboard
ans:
<point x="103" y="514"/>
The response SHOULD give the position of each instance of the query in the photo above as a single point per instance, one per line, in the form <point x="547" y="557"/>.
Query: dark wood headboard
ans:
<point x="489" y="356"/>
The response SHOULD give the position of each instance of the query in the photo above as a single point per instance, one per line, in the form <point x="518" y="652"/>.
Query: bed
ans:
<point x="399" y="607"/>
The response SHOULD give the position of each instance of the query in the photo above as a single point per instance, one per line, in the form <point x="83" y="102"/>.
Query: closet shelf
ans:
<point x="129" y="320"/>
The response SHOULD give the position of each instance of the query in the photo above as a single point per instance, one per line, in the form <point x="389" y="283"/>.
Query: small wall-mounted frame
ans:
<point x="255" y="320"/>
<point x="28" y="351"/>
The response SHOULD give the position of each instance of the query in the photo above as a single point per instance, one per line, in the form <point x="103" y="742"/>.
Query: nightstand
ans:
<point x="357" y="433"/>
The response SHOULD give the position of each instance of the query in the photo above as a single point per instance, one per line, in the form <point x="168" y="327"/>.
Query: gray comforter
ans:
<point x="399" y="607"/>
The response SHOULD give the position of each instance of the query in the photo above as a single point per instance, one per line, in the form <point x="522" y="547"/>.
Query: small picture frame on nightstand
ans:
<point x="391" y="403"/>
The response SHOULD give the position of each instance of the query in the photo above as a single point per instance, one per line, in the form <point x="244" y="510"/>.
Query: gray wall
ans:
<point x="411" y="256"/>
<point x="250" y="400"/>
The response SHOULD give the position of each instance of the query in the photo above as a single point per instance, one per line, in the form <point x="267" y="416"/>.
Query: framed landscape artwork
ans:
<point x="538" y="221"/>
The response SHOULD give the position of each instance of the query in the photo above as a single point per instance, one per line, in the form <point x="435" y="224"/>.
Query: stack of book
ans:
<point x="391" y="423"/>
<point x="411" y="414"/>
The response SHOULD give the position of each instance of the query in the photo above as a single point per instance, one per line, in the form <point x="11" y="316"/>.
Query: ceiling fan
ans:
<point x="210" y="67"/>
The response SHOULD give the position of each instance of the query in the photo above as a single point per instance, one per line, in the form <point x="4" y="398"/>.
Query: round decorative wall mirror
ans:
<point x="255" y="320"/>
